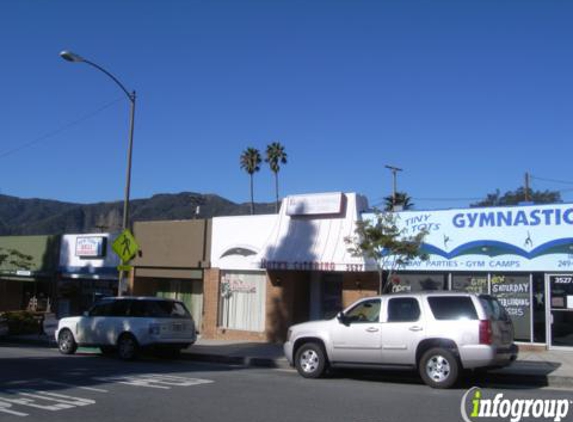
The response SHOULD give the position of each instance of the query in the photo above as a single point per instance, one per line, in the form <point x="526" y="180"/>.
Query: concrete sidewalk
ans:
<point x="532" y="368"/>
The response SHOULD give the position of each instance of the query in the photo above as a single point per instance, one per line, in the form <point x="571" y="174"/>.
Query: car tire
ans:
<point x="310" y="360"/>
<point x="127" y="347"/>
<point x="66" y="343"/>
<point x="439" y="368"/>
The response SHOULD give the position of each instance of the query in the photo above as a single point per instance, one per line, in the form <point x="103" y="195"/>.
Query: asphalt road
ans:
<point x="40" y="383"/>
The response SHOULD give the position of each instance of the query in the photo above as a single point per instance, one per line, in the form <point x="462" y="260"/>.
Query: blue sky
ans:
<point x="465" y="96"/>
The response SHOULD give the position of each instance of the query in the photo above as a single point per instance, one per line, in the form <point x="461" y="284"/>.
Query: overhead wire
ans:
<point x="59" y="130"/>
<point x="380" y="201"/>
<point x="551" y="180"/>
<point x="548" y="180"/>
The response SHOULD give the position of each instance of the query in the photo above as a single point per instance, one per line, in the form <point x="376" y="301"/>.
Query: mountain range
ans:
<point x="42" y="216"/>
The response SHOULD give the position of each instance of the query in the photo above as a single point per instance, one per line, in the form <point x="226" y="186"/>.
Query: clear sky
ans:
<point x="465" y="96"/>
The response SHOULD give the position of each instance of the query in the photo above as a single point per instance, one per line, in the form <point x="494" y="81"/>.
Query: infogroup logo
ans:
<point x="475" y="406"/>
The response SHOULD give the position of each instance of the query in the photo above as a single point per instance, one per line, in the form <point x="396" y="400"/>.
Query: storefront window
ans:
<point x="539" y="308"/>
<point x="472" y="283"/>
<point x="331" y="295"/>
<point x="513" y="292"/>
<point x="417" y="282"/>
<point x="242" y="301"/>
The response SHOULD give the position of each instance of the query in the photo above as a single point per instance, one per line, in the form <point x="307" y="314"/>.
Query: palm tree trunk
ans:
<point x="277" y="192"/>
<point x="252" y="197"/>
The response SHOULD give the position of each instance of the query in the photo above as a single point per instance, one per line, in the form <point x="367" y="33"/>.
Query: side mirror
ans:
<point x="341" y="318"/>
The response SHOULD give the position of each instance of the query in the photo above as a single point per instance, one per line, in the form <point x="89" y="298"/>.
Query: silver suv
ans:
<point x="438" y="333"/>
<point x="128" y="324"/>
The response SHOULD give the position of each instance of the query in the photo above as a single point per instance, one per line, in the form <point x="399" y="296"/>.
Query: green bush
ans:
<point x="22" y="322"/>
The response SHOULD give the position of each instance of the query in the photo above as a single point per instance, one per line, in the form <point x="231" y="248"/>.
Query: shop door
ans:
<point x="331" y="295"/>
<point x="560" y="308"/>
<point x="191" y="293"/>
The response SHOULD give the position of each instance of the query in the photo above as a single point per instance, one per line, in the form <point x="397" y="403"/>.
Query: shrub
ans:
<point x="22" y="322"/>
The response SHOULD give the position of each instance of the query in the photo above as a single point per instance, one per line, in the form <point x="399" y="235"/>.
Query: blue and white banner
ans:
<point x="497" y="239"/>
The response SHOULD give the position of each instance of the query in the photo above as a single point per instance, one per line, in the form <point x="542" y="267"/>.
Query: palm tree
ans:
<point x="250" y="160"/>
<point x="276" y="155"/>
<point x="402" y="200"/>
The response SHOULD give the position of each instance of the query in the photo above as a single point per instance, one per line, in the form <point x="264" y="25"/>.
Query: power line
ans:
<point x="379" y="202"/>
<point x="552" y="180"/>
<point x="448" y="199"/>
<point x="58" y="131"/>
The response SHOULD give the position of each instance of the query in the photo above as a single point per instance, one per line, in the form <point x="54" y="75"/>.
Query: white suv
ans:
<point x="128" y="324"/>
<point x="438" y="333"/>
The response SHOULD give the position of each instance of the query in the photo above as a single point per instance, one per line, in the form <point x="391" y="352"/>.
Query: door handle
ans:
<point x="415" y="328"/>
<point x="372" y="330"/>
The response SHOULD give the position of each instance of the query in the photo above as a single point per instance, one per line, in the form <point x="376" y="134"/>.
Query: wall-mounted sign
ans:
<point x="524" y="238"/>
<point x="316" y="204"/>
<point x="304" y="265"/>
<point x="235" y="284"/>
<point x="90" y="246"/>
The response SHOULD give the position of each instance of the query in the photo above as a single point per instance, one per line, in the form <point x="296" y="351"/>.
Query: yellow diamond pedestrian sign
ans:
<point x="125" y="246"/>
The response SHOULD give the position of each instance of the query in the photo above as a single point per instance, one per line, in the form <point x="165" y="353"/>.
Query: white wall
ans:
<point x="70" y="262"/>
<point x="237" y="241"/>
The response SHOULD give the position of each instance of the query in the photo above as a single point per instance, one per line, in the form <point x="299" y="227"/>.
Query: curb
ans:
<point x="41" y="341"/>
<point x="237" y="360"/>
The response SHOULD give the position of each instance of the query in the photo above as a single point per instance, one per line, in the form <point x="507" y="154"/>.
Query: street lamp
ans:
<point x="74" y="58"/>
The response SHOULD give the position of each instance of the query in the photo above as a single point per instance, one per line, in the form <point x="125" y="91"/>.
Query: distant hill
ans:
<point x="41" y="216"/>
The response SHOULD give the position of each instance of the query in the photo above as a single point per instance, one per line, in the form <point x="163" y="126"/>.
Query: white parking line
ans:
<point x="33" y="398"/>
<point x="4" y="408"/>
<point x="164" y="382"/>
<point x="64" y="384"/>
<point x="50" y="401"/>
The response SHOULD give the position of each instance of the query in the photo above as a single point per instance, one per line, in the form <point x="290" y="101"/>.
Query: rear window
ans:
<point x="493" y="309"/>
<point x="452" y="307"/>
<point x="159" y="309"/>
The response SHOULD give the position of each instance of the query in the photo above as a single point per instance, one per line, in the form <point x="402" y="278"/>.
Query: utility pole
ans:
<point x="394" y="170"/>
<point x="527" y="198"/>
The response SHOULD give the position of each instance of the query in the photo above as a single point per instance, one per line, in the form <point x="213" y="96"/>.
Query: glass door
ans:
<point x="560" y="306"/>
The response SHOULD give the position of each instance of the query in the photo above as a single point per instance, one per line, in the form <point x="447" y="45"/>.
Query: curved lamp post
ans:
<point x="74" y="58"/>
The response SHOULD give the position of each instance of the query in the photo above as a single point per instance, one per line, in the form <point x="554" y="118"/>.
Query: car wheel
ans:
<point x="310" y="360"/>
<point x="66" y="343"/>
<point x="439" y="368"/>
<point x="127" y="347"/>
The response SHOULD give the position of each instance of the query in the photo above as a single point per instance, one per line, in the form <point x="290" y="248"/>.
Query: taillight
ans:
<point x="485" y="333"/>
